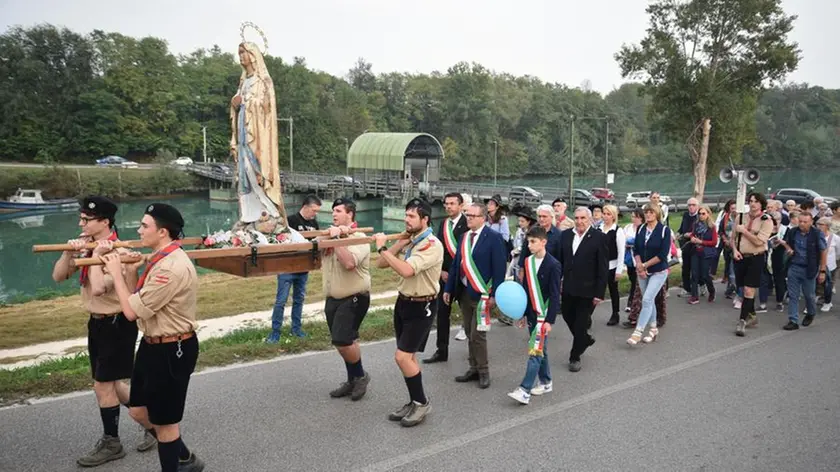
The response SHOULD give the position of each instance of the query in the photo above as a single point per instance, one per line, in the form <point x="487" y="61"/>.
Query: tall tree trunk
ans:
<point x="701" y="160"/>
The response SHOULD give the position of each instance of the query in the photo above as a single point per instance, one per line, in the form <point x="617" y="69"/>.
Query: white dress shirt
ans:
<point x="577" y="239"/>
<point x="621" y="243"/>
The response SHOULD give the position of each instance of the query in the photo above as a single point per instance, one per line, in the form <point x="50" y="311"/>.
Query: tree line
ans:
<point x="71" y="97"/>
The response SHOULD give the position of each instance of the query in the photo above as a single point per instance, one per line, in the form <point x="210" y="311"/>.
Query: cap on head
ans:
<point x="100" y="207"/>
<point x="168" y="217"/>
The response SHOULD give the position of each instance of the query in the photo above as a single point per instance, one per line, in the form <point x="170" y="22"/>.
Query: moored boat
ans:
<point x="31" y="199"/>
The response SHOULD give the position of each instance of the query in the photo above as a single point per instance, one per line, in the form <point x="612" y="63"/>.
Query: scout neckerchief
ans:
<point x="423" y="235"/>
<point x="468" y="267"/>
<point x="537" y="342"/>
<point x="172" y="247"/>
<point x="449" y="240"/>
<point x="83" y="276"/>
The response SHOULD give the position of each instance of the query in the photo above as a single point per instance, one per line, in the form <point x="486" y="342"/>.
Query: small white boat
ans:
<point x="31" y="199"/>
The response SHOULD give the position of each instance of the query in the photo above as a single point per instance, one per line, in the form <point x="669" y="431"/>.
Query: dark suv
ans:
<point x="798" y="195"/>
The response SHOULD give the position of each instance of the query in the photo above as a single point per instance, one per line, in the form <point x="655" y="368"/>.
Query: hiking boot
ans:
<point x="107" y="449"/>
<point x="359" y="387"/>
<point x="416" y="415"/>
<point x="808" y="320"/>
<point x="346" y="388"/>
<point x="401" y="412"/>
<point x="741" y="329"/>
<point x="149" y="441"/>
<point x="193" y="464"/>
<point x="752" y="320"/>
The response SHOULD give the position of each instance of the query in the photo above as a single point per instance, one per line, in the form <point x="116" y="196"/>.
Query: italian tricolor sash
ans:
<point x="449" y="241"/>
<point x="537" y="342"/>
<point x="482" y="310"/>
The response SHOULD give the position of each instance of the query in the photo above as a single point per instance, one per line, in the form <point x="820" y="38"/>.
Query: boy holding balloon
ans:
<point x="542" y="292"/>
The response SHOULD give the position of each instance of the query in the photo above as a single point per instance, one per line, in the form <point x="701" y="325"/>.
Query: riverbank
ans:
<point x="119" y="184"/>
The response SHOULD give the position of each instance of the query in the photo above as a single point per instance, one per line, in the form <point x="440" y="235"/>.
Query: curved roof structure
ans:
<point x="387" y="151"/>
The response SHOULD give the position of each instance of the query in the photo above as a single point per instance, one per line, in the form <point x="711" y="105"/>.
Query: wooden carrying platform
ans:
<point x="263" y="264"/>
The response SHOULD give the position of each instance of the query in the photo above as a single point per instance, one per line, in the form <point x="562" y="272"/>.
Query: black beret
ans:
<point x="418" y="203"/>
<point x="100" y="207"/>
<point x="558" y="200"/>
<point x="343" y="201"/>
<point x="167" y="215"/>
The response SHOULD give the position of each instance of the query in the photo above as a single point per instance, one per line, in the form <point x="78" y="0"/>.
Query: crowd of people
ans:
<point x="566" y="264"/>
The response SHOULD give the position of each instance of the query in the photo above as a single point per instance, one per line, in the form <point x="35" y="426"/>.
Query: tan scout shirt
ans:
<point x="165" y="305"/>
<point x="761" y="226"/>
<point x="340" y="282"/>
<point x="108" y="303"/>
<point x="426" y="259"/>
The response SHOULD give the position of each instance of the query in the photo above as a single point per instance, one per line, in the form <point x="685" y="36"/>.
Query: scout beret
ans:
<point x="343" y="201"/>
<point x="168" y="217"/>
<point x="97" y="206"/>
<point x="420" y="204"/>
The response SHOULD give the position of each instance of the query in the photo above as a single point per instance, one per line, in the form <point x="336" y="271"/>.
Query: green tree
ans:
<point x="708" y="60"/>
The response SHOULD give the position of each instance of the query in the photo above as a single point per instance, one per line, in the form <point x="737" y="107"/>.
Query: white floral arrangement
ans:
<point x="250" y="237"/>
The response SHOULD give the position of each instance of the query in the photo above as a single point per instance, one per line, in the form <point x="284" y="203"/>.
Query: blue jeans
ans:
<point x="701" y="274"/>
<point x="649" y="288"/>
<point x="797" y="281"/>
<point x="828" y="287"/>
<point x="536" y="366"/>
<point x="285" y="283"/>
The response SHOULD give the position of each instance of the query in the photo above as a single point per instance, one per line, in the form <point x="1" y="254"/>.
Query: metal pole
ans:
<point x="204" y="136"/>
<point x="291" y="145"/>
<point x="572" y="164"/>
<point x="607" y="156"/>
<point x="495" y="161"/>
<point x="347" y="155"/>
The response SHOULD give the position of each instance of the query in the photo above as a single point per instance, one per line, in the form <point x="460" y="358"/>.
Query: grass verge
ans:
<point x="73" y="373"/>
<point x="219" y="295"/>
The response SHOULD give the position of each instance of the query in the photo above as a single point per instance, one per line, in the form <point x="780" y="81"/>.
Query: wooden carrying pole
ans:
<point x="247" y="251"/>
<point x="194" y="241"/>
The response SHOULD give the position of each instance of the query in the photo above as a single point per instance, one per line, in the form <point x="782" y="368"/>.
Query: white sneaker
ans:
<point x="737" y="304"/>
<point x="825" y="308"/>
<point x="520" y="395"/>
<point x="542" y="388"/>
<point x="462" y="335"/>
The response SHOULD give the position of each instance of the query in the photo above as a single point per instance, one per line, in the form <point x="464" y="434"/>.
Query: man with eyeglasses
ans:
<point x="111" y="337"/>
<point x="751" y="235"/>
<point x="686" y="231"/>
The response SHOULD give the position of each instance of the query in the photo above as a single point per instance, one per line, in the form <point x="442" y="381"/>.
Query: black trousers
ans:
<point x="777" y="262"/>
<point x="443" y="322"/>
<point x="686" y="267"/>
<point x="615" y="298"/>
<point x="631" y="274"/>
<point x="577" y="313"/>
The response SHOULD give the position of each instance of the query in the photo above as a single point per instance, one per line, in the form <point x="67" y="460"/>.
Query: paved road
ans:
<point x="699" y="399"/>
<point x="72" y="166"/>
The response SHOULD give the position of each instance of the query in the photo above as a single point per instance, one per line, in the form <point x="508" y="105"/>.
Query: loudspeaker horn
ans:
<point x="726" y="175"/>
<point x="751" y="176"/>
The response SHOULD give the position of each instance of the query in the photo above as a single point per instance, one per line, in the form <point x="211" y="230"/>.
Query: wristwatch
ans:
<point x="383" y="248"/>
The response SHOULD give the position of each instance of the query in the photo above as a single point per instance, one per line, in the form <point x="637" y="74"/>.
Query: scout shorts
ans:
<point x="161" y="378"/>
<point x="111" y="342"/>
<point x="345" y="316"/>
<point x="748" y="271"/>
<point x="412" y="323"/>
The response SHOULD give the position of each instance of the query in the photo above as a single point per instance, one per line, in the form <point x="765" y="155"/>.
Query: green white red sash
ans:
<point x="482" y="310"/>
<point x="537" y="342"/>
<point x="449" y="241"/>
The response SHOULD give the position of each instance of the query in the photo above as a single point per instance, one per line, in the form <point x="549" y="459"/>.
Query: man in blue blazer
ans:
<point x="476" y="272"/>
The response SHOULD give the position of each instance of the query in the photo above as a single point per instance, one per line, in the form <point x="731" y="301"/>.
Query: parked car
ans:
<point x="116" y="161"/>
<point x="638" y="199"/>
<point x="182" y="162"/>
<point x="346" y="184"/>
<point x="524" y="195"/>
<point x="798" y="195"/>
<point x="223" y="169"/>
<point x="605" y="194"/>
<point x="581" y="198"/>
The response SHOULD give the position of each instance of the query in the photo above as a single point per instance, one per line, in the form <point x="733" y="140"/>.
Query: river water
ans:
<point x="24" y="274"/>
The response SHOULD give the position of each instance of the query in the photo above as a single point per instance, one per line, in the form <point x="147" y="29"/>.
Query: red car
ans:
<point x="604" y="194"/>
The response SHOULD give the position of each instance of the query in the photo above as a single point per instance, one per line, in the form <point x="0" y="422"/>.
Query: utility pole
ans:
<point x="291" y="142"/>
<point x="204" y="136"/>
<point x="495" y="161"/>
<point x="571" y="195"/>
<point x="607" y="156"/>
<point x="347" y="154"/>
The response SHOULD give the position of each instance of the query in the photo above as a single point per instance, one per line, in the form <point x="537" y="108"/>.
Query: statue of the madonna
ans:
<point x="254" y="147"/>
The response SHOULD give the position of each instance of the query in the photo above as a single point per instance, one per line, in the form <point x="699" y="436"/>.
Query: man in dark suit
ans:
<point x="584" y="257"/>
<point x="477" y="271"/>
<point x="451" y="232"/>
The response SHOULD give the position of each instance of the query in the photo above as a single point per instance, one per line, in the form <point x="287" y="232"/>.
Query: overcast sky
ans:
<point x="555" y="40"/>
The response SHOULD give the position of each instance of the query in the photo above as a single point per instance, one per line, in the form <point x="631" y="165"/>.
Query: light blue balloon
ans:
<point x="511" y="299"/>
